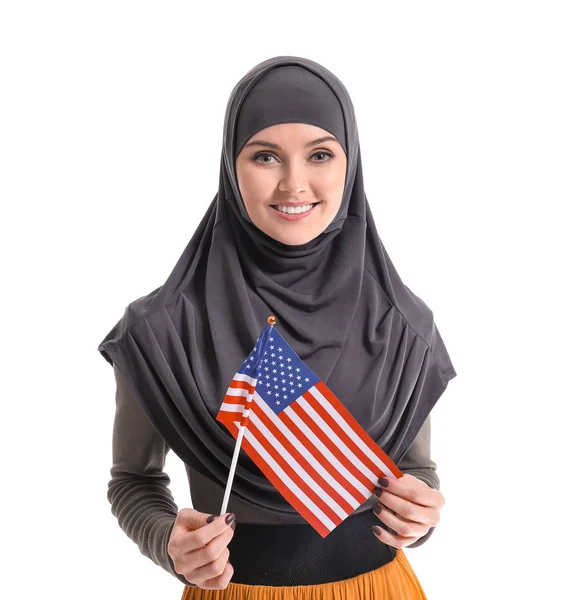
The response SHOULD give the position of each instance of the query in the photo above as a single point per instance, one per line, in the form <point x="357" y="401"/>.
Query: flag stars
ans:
<point x="267" y="376"/>
<point x="268" y="385"/>
<point x="277" y="401"/>
<point x="307" y="379"/>
<point x="299" y="377"/>
<point x="269" y="392"/>
<point x="298" y="369"/>
<point x="289" y="359"/>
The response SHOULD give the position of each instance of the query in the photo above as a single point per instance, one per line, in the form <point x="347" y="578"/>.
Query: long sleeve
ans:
<point x="417" y="462"/>
<point x="138" y="490"/>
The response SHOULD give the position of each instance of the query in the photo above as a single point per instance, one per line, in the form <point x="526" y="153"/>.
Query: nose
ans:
<point x="293" y="180"/>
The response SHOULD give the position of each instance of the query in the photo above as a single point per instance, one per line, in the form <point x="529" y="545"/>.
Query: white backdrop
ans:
<point x="110" y="139"/>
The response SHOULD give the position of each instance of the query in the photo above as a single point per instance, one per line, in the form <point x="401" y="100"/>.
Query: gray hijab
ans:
<point x="338" y="301"/>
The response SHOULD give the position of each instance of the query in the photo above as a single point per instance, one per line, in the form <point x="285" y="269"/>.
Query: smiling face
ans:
<point x="285" y="169"/>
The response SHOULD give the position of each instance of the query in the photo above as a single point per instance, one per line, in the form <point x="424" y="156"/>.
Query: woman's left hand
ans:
<point x="409" y="507"/>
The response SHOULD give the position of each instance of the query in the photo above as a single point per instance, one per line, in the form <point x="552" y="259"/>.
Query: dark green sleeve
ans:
<point x="417" y="462"/>
<point x="138" y="490"/>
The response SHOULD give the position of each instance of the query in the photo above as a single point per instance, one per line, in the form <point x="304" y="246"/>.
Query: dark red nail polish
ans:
<point x="383" y="482"/>
<point x="376" y="530"/>
<point x="378" y="492"/>
<point x="210" y="518"/>
<point x="377" y="508"/>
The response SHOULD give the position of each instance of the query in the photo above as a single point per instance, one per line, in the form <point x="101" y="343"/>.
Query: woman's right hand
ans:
<point x="199" y="549"/>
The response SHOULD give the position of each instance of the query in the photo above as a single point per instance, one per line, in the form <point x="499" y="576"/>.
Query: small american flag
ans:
<point x="307" y="444"/>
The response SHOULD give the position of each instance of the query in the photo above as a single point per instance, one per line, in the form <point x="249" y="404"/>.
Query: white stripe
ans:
<point x="303" y="427"/>
<point x="287" y="481"/>
<point x="226" y="407"/>
<point x="246" y="378"/>
<point x="373" y="477"/>
<point x="301" y="472"/>
<point x="238" y="392"/>
<point x="350" y="431"/>
<point x="287" y="433"/>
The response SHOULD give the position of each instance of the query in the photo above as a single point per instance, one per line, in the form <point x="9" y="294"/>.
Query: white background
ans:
<point x="110" y="140"/>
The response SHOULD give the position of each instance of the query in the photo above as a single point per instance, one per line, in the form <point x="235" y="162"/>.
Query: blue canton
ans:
<point x="281" y="374"/>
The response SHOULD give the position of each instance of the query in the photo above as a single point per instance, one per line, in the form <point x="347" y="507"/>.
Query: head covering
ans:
<point x="338" y="300"/>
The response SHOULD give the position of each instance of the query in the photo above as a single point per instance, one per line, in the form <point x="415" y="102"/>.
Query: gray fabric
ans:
<point x="139" y="492"/>
<point x="339" y="303"/>
<point x="289" y="94"/>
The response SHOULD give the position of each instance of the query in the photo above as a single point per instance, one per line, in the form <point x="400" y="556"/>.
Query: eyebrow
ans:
<point x="277" y="147"/>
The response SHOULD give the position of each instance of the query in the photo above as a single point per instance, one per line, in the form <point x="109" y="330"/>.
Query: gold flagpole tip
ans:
<point x="271" y="320"/>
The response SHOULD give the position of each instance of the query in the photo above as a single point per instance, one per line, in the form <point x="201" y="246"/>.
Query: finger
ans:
<point x="212" y="570"/>
<point x="412" y="489"/>
<point x="408" y="510"/>
<point x="393" y="540"/>
<point x="221" y="581"/>
<point x="401" y="526"/>
<point x="200" y="557"/>
<point x="200" y="538"/>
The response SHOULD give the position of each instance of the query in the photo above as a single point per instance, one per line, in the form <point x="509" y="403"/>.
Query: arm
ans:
<point x="417" y="462"/>
<point x="138" y="490"/>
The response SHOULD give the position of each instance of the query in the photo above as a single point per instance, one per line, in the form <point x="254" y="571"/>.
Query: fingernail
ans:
<point x="376" y="530"/>
<point x="383" y="482"/>
<point x="378" y="492"/>
<point x="210" y="518"/>
<point x="233" y="525"/>
<point x="377" y="508"/>
<point x="230" y="518"/>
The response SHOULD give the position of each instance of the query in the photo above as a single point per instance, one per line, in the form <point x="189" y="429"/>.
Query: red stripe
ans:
<point x="342" y="458"/>
<point x="336" y="428"/>
<point x="288" y="495"/>
<point x="302" y="461"/>
<point x="315" y="448"/>
<point x="362" y="434"/>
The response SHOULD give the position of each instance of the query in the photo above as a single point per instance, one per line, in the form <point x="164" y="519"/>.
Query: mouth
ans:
<point x="294" y="213"/>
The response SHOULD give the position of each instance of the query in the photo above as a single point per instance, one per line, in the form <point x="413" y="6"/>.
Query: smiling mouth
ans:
<point x="292" y="209"/>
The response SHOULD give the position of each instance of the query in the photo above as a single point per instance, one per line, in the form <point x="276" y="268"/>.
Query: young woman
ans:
<point x="289" y="233"/>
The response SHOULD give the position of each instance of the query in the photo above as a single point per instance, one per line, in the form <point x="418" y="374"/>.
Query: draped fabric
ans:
<point x="338" y="300"/>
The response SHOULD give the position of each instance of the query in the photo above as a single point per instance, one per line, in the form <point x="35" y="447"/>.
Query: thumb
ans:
<point x="191" y="518"/>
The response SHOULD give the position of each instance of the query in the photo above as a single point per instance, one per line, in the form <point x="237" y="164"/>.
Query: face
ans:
<point x="286" y="169"/>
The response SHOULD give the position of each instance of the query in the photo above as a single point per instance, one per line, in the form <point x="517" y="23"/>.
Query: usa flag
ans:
<point x="307" y="444"/>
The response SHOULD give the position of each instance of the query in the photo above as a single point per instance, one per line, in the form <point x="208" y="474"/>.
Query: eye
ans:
<point x="259" y="155"/>
<point x="320" y="153"/>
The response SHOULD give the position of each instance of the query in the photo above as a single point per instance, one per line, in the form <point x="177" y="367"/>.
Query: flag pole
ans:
<point x="271" y="321"/>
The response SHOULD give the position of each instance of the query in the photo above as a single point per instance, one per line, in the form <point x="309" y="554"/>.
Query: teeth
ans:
<point x="291" y="210"/>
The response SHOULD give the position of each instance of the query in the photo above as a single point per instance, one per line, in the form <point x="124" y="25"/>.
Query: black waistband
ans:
<point x="280" y="555"/>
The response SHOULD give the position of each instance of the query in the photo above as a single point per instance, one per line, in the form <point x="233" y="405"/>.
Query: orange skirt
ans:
<point x="395" y="580"/>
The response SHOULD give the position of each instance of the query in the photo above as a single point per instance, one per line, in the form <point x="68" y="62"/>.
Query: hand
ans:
<point x="199" y="549"/>
<point x="409" y="507"/>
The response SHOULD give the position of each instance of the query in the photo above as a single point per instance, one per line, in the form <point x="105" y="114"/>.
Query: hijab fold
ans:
<point x="338" y="300"/>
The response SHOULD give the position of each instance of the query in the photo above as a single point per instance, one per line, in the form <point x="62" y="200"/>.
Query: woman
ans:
<point x="293" y="236"/>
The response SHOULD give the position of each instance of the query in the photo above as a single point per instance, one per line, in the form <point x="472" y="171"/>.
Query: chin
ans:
<point x="293" y="240"/>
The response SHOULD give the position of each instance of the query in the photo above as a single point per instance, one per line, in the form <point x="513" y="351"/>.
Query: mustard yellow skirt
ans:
<point x="395" y="580"/>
